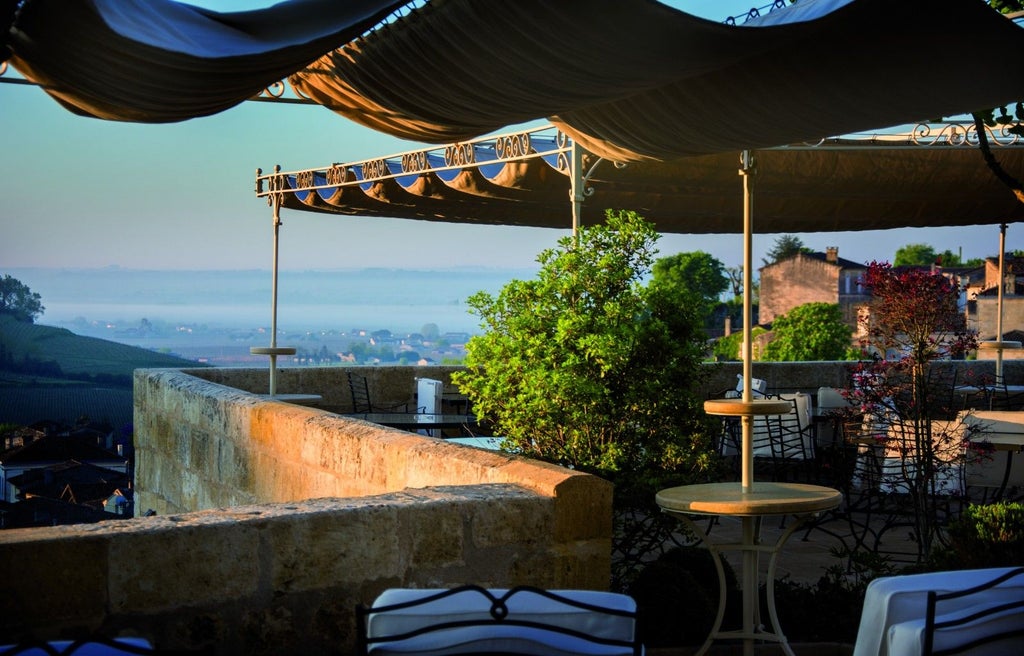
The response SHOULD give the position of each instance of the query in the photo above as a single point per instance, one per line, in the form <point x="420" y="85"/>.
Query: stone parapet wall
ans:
<point x="273" y="520"/>
<point x="279" y="578"/>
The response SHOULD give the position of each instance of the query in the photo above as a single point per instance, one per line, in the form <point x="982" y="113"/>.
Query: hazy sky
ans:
<point x="80" y="192"/>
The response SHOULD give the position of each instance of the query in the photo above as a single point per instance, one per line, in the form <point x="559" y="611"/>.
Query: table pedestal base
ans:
<point x="751" y="504"/>
<point x="751" y="549"/>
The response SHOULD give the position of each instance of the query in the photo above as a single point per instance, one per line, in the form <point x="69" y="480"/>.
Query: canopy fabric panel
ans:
<point x="158" y="61"/>
<point x="837" y="186"/>
<point x="627" y="79"/>
<point x="634" y="79"/>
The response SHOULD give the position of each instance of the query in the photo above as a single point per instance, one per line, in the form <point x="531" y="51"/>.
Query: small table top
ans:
<point x="739" y="407"/>
<point x="299" y="399"/>
<point x="415" y="419"/>
<point x="765" y="498"/>
<point x="272" y="350"/>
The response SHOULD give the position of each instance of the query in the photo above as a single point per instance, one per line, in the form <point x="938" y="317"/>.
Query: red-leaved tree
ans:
<point x="914" y="319"/>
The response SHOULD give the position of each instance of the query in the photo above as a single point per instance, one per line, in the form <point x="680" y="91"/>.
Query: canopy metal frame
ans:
<point x="546" y="142"/>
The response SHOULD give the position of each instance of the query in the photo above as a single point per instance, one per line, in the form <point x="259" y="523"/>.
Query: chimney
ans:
<point x="832" y="254"/>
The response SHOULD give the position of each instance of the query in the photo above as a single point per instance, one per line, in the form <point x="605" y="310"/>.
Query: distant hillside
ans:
<point x="59" y="353"/>
<point x="49" y="373"/>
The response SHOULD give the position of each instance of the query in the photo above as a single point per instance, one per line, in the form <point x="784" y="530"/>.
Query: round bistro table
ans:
<point x="751" y="504"/>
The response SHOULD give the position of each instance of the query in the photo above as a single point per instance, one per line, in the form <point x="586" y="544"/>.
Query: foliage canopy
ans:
<point x="812" y="331"/>
<point x="785" y="247"/>
<point x="17" y="300"/>
<point x="915" y="255"/>
<point x="697" y="279"/>
<point x="585" y="367"/>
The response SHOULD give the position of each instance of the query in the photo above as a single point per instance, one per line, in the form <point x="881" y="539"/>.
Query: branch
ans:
<point x="986" y="152"/>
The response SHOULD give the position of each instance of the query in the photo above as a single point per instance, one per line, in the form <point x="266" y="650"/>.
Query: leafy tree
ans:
<point x="915" y="255"/>
<point x="812" y="331"/>
<point x="915" y="312"/>
<point x="430" y="331"/>
<point x="735" y="280"/>
<point x="785" y="247"/>
<point x="17" y="300"/>
<point x="728" y="348"/>
<point x="585" y="367"/>
<point x="948" y="258"/>
<point x="695" y="279"/>
<point x="914" y="316"/>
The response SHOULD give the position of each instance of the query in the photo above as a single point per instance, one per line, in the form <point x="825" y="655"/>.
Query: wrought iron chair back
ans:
<point x="521" y="621"/>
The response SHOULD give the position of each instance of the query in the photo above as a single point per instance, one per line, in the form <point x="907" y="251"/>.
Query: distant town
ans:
<point x="228" y="347"/>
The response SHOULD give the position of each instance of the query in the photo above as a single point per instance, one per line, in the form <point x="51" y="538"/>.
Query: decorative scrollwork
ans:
<point x="335" y="175"/>
<point x="563" y="163"/>
<point x="375" y="168"/>
<point x="512" y="145"/>
<point x="961" y="134"/>
<point x="561" y="139"/>
<point x="459" y="155"/>
<point x="951" y="134"/>
<point x="1004" y="136"/>
<point x="275" y="90"/>
<point x="414" y="162"/>
<point x="304" y="179"/>
<point x="276" y="184"/>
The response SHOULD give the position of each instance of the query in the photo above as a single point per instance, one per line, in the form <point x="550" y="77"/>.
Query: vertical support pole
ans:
<point x="750" y="564"/>
<point x="999" y="304"/>
<point x="275" y="201"/>
<point x="751" y="589"/>
<point x="747" y="171"/>
<point x="576" y="187"/>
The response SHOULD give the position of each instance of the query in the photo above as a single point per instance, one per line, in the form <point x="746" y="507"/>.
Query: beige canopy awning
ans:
<point x="930" y="176"/>
<point x="626" y="79"/>
<point x="636" y="79"/>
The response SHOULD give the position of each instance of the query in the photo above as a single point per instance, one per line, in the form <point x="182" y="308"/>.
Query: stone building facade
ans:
<point x="983" y="298"/>
<point x="812" y="278"/>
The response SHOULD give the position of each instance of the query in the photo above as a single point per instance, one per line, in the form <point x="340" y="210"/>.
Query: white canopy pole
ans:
<point x="576" y="194"/>
<point x="747" y="170"/>
<point x="274" y="199"/>
<point x="273" y="296"/>
<point x="999" y="304"/>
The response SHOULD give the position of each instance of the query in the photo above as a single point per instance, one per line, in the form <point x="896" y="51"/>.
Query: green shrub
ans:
<point x="812" y="331"/>
<point x="587" y="368"/>
<point x="830" y="609"/>
<point x="990" y="535"/>
<point x="727" y="349"/>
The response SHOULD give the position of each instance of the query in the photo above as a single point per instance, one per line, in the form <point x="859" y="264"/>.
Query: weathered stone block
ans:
<point x="186" y="560"/>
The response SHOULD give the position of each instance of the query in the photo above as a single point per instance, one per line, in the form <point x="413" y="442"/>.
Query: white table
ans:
<point x="1002" y="431"/>
<point x="751" y="505"/>
<point x="298" y="399"/>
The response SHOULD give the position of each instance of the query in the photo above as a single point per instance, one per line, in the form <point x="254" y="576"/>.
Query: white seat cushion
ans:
<point x="890" y="600"/>
<point x="908" y="637"/>
<point x="524" y="605"/>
